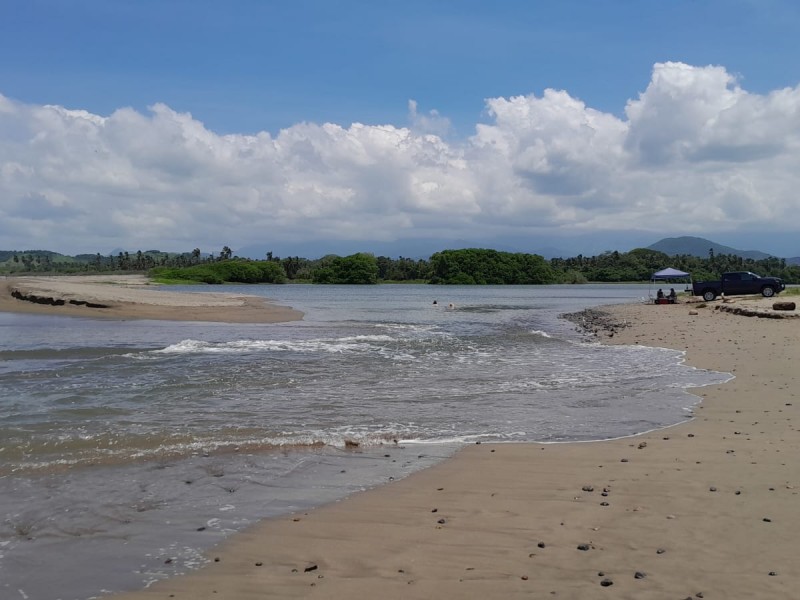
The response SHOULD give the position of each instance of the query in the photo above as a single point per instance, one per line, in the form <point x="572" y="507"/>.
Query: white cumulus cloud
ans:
<point x="694" y="153"/>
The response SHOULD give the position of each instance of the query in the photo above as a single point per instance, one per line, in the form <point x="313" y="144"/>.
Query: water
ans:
<point x="127" y="448"/>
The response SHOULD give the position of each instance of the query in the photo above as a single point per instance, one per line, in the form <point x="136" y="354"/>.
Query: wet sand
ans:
<point x="132" y="297"/>
<point x="705" y="509"/>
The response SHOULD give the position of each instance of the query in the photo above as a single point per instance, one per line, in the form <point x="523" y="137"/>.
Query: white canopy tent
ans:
<point x="666" y="275"/>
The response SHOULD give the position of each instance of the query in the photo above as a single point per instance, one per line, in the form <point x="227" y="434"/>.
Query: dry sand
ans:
<point x="706" y="509"/>
<point x="132" y="297"/>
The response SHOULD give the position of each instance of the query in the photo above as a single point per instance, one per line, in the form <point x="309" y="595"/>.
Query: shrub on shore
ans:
<point x="227" y="271"/>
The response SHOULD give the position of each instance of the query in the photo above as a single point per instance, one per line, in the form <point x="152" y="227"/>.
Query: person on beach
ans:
<point x="672" y="296"/>
<point x="660" y="294"/>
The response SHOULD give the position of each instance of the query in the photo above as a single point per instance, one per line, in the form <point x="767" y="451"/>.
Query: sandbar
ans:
<point x="125" y="297"/>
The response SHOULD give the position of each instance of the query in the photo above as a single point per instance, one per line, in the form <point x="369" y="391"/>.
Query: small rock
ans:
<point x="441" y="521"/>
<point x="606" y="582"/>
<point x="259" y="564"/>
<point x="540" y="544"/>
<point x="660" y="551"/>
<point x="767" y="520"/>
<point x="587" y="488"/>
<point x="712" y="489"/>
<point x="772" y="573"/>
<point x="639" y="575"/>
<point x="583" y="547"/>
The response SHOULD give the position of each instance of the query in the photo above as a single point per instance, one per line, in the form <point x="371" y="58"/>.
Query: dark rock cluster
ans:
<point x="595" y="321"/>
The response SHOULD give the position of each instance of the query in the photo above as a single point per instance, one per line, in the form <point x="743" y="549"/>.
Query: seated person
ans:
<point x="672" y="296"/>
<point x="659" y="294"/>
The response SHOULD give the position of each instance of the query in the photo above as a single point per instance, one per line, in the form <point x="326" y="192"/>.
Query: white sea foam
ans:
<point x="352" y="343"/>
<point x="541" y="333"/>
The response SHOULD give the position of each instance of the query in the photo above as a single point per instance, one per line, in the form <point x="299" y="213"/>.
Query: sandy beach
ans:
<point x="705" y="509"/>
<point x="132" y="297"/>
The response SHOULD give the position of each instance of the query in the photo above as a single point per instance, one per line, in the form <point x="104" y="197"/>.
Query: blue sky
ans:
<point x="229" y="72"/>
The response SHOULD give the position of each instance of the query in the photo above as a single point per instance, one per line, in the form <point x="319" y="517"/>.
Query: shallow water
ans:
<point x="127" y="444"/>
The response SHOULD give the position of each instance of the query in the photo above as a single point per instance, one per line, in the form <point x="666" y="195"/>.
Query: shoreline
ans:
<point x="702" y="509"/>
<point x="124" y="297"/>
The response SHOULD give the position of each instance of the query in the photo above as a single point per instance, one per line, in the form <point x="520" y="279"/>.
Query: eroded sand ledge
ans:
<point x="706" y="509"/>
<point x="132" y="297"/>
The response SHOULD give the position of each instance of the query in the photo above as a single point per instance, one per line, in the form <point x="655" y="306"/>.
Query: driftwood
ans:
<point x="784" y="306"/>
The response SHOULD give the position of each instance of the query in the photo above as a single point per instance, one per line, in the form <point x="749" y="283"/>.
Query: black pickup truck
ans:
<point x="738" y="283"/>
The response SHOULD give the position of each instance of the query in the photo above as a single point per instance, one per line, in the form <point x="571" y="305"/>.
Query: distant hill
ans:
<point x="695" y="246"/>
<point x="795" y="260"/>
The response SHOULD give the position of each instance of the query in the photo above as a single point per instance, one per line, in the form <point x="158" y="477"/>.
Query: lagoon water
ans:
<point x="128" y="448"/>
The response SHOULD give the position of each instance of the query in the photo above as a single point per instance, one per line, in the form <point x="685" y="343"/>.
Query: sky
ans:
<point x="401" y="128"/>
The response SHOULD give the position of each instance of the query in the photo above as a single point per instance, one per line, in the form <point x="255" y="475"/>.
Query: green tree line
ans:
<point x="471" y="266"/>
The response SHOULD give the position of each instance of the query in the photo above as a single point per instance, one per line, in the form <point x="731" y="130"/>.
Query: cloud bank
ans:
<point x="695" y="153"/>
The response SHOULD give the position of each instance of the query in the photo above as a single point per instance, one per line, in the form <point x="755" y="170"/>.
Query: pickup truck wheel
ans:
<point x="709" y="295"/>
<point x="768" y="292"/>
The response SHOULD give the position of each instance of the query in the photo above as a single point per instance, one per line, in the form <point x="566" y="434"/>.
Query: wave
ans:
<point x="540" y="333"/>
<point x="349" y="343"/>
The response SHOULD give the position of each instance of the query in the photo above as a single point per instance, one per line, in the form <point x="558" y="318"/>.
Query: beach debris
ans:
<point x="584" y="547"/>
<point x="441" y="521"/>
<point x="311" y="567"/>
<point x="588" y="488"/>
<point x="784" y="306"/>
<point x="259" y="564"/>
<point x="660" y="551"/>
<point x="541" y="545"/>
<point x="639" y="575"/>
<point x="606" y="582"/>
<point x="351" y="444"/>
